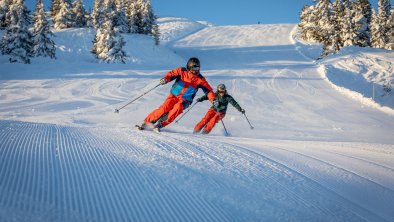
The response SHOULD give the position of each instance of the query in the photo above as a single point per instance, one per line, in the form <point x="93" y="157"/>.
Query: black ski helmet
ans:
<point x="221" y="87"/>
<point x="193" y="62"/>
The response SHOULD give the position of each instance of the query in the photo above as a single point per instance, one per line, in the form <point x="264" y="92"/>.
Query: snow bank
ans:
<point x="365" y="72"/>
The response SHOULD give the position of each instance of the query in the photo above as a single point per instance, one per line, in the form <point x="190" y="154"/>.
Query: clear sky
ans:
<point x="225" y="12"/>
<point x="233" y="12"/>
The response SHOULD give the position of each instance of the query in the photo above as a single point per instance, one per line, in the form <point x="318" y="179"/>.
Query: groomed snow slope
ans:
<point x="315" y="154"/>
<point x="59" y="173"/>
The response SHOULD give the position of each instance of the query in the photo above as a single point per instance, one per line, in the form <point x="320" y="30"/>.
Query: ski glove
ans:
<point x="242" y="111"/>
<point x="163" y="81"/>
<point x="215" y="103"/>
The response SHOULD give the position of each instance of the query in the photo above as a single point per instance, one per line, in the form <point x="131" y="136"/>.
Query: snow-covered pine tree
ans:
<point x="17" y="41"/>
<point x="325" y="28"/>
<point x="318" y="14"/>
<point x="122" y="3"/>
<point x="65" y="17"/>
<point x="149" y="24"/>
<point x="109" y="9"/>
<point x="307" y="23"/>
<point x="384" y="7"/>
<point x="121" y="18"/>
<point x="42" y="43"/>
<point x="304" y="15"/>
<point x="377" y="34"/>
<point x="80" y="14"/>
<point x="338" y="19"/>
<point x="4" y="5"/>
<point x="383" y="14"/>
<point x="135" y="16"/>
<point x="148" y="17"/>
<point x="390" y="31"/>
<point x="108" y="43"/>
<point x="365" y="7"/>
<point x="335" y="45"/>
<point x="361" y="26"/>
<point x="348" y="33"/>
<point x="156" y="33"/>
<point x="98" y="14"/>
<point x="347" y="3"/>
<point x="55" y="8"/>
<point x="349" y="23"/>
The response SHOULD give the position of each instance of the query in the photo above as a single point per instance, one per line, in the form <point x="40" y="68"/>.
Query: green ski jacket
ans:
<point x="223" y="102"/>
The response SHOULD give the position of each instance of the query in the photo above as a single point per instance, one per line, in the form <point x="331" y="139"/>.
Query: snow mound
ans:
<point x="367" y="71"/>
<point x="172" y="28"/>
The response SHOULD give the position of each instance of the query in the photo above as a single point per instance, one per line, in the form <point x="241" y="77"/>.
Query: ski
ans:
<point x="156" y="130"/>
<point x="149" y="127"/>
<point x="138" y="127"/>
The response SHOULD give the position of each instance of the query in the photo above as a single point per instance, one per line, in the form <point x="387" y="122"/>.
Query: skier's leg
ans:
<point x="163" y="109"/>
<point x="215" y="119"/>
<point x="172" y="114"/>
<point x="204" y="121"/>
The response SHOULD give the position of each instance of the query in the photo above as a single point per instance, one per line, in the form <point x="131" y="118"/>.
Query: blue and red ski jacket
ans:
<point x="187" y="84"/>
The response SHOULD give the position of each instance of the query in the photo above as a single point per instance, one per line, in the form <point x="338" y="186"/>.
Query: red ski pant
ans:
<point x="172" y="105"/>
<point x="209" y="121"/>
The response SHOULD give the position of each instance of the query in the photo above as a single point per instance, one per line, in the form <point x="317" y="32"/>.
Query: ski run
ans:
<point x="322" y="147"/>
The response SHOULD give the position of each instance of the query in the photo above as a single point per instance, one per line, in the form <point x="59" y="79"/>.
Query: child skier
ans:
<point x="187" y="82"/>
<point x="217" y="111"/>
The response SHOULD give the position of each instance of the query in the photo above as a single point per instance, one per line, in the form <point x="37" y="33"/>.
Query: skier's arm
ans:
<point x="235" y="104"/>
<point x="204" y="85"/>
<point x="202" y="98"/>
<point x="173" y="74"/>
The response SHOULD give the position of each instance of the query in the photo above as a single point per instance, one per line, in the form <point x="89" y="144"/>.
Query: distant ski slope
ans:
<point x="285" y="93"/>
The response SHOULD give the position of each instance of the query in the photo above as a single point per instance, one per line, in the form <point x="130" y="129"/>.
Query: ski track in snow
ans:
<point x="69" y="175"/>
<point x="61" y="173"/>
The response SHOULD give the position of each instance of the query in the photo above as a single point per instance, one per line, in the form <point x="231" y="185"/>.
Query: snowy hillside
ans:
<point x="363" y="74"/>
<point x="320" y="150"/>
<point x="369" y="72"/>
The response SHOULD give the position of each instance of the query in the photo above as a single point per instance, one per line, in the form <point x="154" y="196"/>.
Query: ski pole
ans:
<point x="223" y="124"/>
<point x="186" y="112"/>
<point x="117" y="110"/>
<point x="251" y="127"/>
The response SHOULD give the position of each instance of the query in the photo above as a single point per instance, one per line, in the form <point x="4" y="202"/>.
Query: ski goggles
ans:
<point x="195" y="68"/>
<point x="219" y="91"/>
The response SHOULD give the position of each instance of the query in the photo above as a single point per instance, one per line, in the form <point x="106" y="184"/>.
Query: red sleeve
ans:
<point x="173" y="74"/>
<point x="207" y="89"/>
<point x="211" y="96"/>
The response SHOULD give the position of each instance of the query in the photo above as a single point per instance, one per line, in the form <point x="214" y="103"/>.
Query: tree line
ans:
<point x="348" y="23"/>
<point x="29" y="36"/>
